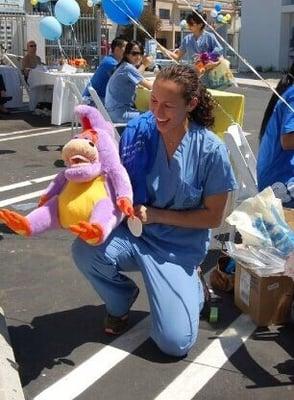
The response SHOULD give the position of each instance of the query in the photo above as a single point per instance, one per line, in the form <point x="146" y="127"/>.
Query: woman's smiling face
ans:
<point x="169" y="106"/>
<point x="135" y="55"/>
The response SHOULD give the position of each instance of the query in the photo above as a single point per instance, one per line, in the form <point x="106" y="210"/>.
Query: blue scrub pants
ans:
<point x="175" y="293"/>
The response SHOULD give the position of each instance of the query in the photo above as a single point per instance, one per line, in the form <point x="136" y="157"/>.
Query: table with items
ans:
<point x="62" y="98"/>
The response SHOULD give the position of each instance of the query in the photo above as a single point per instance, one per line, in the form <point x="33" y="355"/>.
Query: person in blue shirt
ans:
<point x="104" y="71"/>
<point x="121" y="88"/>
<point x="181" y="176"/>
<point x="275" y="161"/>
<point x="198" y="41"/>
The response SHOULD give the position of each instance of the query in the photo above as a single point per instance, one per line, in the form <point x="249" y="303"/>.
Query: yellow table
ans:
<point x="229" y="108"/>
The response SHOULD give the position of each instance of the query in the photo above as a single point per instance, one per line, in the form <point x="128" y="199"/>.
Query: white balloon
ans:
<point x="90" y="3"/>
<point x="214" y="13"/>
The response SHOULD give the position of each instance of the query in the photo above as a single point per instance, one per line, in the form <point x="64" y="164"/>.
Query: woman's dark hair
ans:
<point x="186" y="77"/>
<point x="194" y="18"/>
<point x="286" y="81"/>
<point x="128" y="50"/>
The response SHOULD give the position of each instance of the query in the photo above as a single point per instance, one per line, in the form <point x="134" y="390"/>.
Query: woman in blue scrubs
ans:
<point x="181" y="176"/>
<point x="121" y="87"/>
<point x="275" y="162"/>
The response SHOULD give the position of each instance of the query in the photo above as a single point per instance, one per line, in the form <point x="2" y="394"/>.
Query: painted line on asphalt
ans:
<point x="209" y="362"/>
<point x="82" y="377"/>
<point x="26" y="183"/>
<point x="7" y="139"/>
<point x="184" y="387"/>
<point x="24" y="131"/>
<point x="20" y="198"/>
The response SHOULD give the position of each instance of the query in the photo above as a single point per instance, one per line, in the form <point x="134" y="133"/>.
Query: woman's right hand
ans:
<point x="147" y="60"/>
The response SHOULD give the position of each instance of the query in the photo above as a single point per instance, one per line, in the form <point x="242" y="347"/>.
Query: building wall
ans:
<point x="261" y="34"/>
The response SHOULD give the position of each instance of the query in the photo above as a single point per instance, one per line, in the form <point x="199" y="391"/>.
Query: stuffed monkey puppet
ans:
<point x="91" y="195"/>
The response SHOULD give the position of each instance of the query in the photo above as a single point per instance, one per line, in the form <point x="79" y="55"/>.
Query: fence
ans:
<point x="88" y="32"/>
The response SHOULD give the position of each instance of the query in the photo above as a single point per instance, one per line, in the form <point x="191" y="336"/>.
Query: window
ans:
<point x="164" y="13"/>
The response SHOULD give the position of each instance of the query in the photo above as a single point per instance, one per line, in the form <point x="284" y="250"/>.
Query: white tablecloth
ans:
<point x="13" y="86"/>
<point x="63" y="101"/>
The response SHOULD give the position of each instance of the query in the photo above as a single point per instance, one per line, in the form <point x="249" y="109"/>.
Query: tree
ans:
<point x="150" y="22"/>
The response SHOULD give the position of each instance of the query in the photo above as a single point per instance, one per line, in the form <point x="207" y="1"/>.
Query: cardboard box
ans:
<point x="289" y="216"/>
<point x="266" y="299"/>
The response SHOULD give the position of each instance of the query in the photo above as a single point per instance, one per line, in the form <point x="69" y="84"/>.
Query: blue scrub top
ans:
<point x="273" y="163"/>
<point x="200" y="167"/>
<point x="101" y="77"/>
<point x="206" y="42"/>
<point x="121" y="88"/>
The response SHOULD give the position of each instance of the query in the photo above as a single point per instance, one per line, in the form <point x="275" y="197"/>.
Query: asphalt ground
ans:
<point x="55" y="319"/>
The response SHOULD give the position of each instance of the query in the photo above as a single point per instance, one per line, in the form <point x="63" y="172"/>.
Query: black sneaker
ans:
<point x="118" y="325"/>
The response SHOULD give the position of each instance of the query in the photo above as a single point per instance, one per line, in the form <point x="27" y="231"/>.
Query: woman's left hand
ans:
<point x="147" y="215"/>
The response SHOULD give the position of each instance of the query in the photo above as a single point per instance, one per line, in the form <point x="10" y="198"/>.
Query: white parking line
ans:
<point x="184" y="387"/>
<point x="6" y="139"/>
<point x="20" y="198"/>
<point x="82" y="377"/>
<point x="209" y="362"/>
<point x="24" y="131"/>
<point x="26" y="183"/>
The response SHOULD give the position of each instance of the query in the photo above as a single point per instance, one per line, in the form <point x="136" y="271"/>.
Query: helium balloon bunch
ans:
<point x="218" y="16"/>
<point x="122" y="12"/>
<point x="67" y="12"/>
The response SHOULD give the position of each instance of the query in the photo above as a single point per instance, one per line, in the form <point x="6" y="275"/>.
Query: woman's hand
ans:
<point x="147" y="60"/>
<point x="147" y="215"/>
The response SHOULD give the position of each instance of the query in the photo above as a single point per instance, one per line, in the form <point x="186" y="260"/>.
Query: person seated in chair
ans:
<point x="3" y="98"/>
<point x="102" y="74"/>
<point x="30" y="60"/>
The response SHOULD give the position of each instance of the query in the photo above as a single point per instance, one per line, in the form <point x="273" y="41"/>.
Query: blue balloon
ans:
<point x="67" y="11"/>
<point x="43" y="1"/>
<point x="50" y="28"/>
<point x="218" y="7"/>
<point x="118" y="10"/>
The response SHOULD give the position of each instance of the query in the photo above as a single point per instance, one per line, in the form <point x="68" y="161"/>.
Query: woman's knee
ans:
<point x="175" y="342"/>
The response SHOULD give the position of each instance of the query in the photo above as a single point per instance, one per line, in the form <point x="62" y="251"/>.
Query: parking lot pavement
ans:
<point x="55" y="319"/>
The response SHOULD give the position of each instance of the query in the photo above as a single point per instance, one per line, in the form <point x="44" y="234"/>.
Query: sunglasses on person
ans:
<point x="136" y="53"/>
<point x="32" y="45"/>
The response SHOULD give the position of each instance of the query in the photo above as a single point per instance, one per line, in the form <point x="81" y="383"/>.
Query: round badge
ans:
<point x="135" y="226"/>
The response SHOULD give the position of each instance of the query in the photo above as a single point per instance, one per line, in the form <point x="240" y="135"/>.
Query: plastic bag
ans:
<point x="220" y="77"/>
<point x="260" y="220"/>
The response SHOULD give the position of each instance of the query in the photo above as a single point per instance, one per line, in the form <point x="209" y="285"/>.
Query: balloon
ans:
<point x="96" y="2"/>
<point x="220" y="18"/>
<point x="50" y="28"/>
<point x="199" y="7"/>
<point x="90" y="3"/>
<point x="67" y="11"/>
<point x="42" y="1"/>
<point x="118" y="10"/>
<point x="218" y="7"/>
<point x="228" y="17"/>
<point x="34" y="2"/>
<point x="213" y="13"/>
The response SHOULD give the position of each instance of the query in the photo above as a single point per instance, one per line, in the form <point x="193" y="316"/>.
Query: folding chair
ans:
<point x="78" y="99"/>
<point x="244" y="166"/>
<point x="100" y="107"/>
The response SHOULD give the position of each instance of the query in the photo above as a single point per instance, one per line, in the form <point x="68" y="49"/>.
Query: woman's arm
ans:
<point x="210" y="216"/>
<point x="287" y="141"/>
<point x="146" y="84"/>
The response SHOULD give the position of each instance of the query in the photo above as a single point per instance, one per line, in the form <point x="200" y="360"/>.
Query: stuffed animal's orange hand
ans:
<point x="125" y="206"/>
<point x="16" y="222"/>
<point x="90" y="233"/>
<point x="42" y="200"/>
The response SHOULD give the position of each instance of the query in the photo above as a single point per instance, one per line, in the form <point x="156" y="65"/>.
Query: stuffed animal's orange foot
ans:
<point x="18" y="223"/>
<point x="90" y="233"/>
<point x="125" y="206"/>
